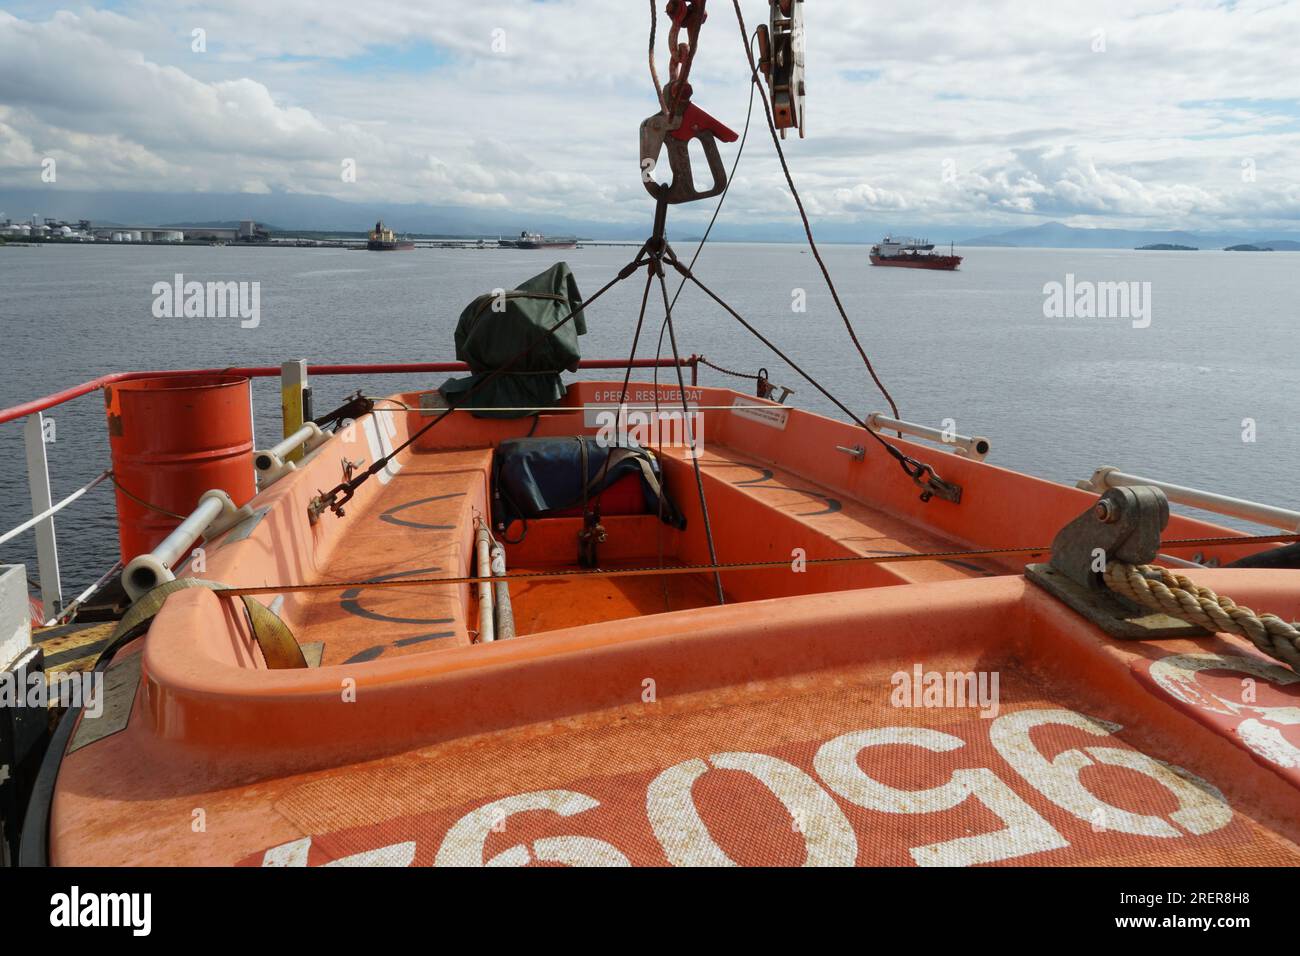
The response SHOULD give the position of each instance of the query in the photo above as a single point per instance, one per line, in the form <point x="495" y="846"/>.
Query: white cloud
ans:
<point x="1010" y="96"/>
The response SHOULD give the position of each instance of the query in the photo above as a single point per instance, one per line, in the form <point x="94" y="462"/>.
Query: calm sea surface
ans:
<point x="1058" y="397"/>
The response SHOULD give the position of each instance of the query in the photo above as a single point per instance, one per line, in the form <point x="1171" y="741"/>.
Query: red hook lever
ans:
<point x="690" y="123"/>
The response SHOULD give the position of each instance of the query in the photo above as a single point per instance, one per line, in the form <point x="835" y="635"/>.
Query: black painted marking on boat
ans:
<point x="369" y="654"/>
<point x="390" y="514"/>
<point x="833" y="505"/>
<point x="967" y="566"/>
<point x="350" y="603"/>
<point x="421" y="638"/>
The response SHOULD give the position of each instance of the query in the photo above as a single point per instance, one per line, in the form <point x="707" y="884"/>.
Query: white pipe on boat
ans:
<point x="505" y="615"/>
<point x="270" y="463"/>
<point x="486" y="629"/>
<point x="1110" y="477"/>
<point x="215" y="513"/>
<point x="976" y="447"/>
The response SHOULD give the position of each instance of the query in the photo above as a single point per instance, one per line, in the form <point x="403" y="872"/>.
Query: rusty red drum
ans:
<point x="173" y="437"/>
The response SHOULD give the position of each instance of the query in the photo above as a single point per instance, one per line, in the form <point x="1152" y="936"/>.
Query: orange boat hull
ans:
<point x="633" y="722"/>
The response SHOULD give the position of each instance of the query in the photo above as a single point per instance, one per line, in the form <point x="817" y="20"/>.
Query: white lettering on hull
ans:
<point x="828" y="835"/>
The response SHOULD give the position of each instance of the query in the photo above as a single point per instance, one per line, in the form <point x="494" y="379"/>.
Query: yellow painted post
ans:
<point x="293" y="383"/>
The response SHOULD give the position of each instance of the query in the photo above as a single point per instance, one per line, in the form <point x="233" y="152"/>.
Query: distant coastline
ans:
<point x="249" y="233"/>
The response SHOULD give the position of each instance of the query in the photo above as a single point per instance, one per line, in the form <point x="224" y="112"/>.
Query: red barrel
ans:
<point x="171" y="438"/>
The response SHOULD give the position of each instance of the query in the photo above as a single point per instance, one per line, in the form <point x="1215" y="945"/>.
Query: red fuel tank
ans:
<point x="171" y="438"/>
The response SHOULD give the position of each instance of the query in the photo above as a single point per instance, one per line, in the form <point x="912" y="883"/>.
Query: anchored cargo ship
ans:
<point x="911" y="254"/>
<point x="535" y="240"/>
<point x="382" y="239"/>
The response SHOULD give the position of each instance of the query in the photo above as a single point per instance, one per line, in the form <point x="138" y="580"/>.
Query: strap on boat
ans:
<point x="616" y="457"/>
<point x="279" y="647"/>
<point x="642" y="458"/>
<point x="593" y="532"/>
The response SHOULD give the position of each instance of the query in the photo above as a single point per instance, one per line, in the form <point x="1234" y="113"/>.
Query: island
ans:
<point x="1166" y="247"/>
<point x="1246" y="247"/>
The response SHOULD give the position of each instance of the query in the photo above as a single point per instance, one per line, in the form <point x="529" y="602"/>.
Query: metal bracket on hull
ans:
<point x="928" y="480"/>
<point x="1124" y="525"/>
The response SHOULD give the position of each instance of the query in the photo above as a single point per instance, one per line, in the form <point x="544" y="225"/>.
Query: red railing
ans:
<point x="270" y="371"/>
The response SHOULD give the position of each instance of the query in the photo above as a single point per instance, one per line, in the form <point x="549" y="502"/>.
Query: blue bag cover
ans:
<point x="534" y="476"/>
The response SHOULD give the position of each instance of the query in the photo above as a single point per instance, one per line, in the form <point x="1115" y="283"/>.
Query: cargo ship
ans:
<point x="535" y="240"/>
<point x="911" y="254"/>
<point x="382" y="239"/>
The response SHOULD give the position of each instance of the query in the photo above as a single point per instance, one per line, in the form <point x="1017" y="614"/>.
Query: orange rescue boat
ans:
<point x="883" y="684"/>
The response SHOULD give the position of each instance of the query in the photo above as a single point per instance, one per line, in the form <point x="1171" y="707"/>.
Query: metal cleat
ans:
<point x="1124" y="525"/>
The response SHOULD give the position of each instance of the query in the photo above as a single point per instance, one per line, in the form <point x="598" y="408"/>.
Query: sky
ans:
<point x="1157" y="114"/>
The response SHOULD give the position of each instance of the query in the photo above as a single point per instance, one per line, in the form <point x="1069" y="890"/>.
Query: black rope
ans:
<point x="740" y="151"/>
<point x="916" y="470"/>
<point x="807" y="227"/>
<point x="690" y="433"/>
<point x="33" y="844"/>
<point x="140" y="501"/>
<point x="653" y="252"/>
<point x="627" y="378"/>
<point x="726" y="371"/>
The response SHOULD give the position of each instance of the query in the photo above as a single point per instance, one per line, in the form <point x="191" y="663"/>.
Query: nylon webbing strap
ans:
<point x="279" y="647"/>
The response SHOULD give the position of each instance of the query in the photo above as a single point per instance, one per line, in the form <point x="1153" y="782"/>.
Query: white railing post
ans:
<point x="38" y="480"/>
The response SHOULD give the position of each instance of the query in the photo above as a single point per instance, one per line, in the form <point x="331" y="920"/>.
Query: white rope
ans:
<point x="1161" y="589"/>
<point x="53" y="509"/>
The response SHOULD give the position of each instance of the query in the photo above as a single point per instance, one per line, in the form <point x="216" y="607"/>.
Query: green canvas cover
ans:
<point x="494" y="329"/>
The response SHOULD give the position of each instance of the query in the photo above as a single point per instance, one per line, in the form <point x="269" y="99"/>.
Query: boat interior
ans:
<point x="405" y="723"/>
<point x="793" y="476"/>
